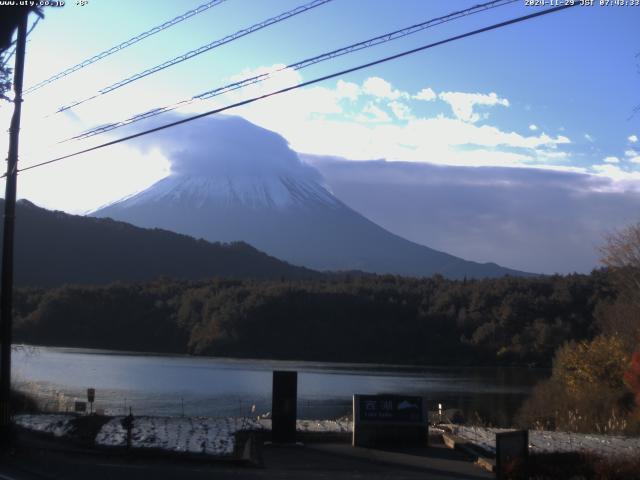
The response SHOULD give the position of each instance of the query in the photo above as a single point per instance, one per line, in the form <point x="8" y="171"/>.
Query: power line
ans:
<point x="304" y="84"/>
<point x="205" y="48"/>
<point x="387" y="37"/>
<point x="368" y="43"/>
<point x="127" y="43"/>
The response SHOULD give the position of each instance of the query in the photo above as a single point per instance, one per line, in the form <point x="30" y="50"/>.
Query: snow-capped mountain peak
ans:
<point x="231" y="180"/>
<point x="249" y="190"/>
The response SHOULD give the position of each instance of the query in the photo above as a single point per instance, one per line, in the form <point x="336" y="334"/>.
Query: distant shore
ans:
<point x="356" y="364"/>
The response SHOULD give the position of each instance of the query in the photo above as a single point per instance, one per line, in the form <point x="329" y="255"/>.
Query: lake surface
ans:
<point x="176" y="385"/>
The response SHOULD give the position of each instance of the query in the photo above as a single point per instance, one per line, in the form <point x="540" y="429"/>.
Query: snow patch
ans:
<point x="200" y="435"/>
<point x="210" y="436"/>
<point x="543" y="441"/>
<point x="58" y="425"/>
<point x="112" y="433"/>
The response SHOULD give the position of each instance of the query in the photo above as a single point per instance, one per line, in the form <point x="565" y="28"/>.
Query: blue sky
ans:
<point x="554" y="93"/>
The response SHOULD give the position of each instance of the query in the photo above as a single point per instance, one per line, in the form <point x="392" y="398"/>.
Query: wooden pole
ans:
<point x="6" y="294"/>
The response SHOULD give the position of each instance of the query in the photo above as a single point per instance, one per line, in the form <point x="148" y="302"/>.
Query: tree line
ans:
<point x="354" y="318"/>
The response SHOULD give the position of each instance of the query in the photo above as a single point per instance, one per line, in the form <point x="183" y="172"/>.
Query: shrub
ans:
<point x="586" y="391"/>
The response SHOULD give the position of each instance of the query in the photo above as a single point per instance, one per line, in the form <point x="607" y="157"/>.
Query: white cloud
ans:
<point x="314" y="100"/>
<point x="463" y="104"/>
<point x="533" y="127"/>
<point x="373" y="113"/>
<point x="455" y="132"/>
<point x="588" y="137"/>
<point x="560" y="168"/>
<point x="350" y="120"/>
<point x="334" y="120"/>
<point x="553" y="155"/>
<point x="632" y="138"/>
<point x="368" y="130"/>
<point x="614" y="172"/>
<point x="102" y="178"/>
<point x="348" y="90"/>
<point x="426" y="94"/>
<point x="440" y="140"/>
<point x="400" y="110"/>
<point x="378" y="87"/>
<point x="632" y="155"/>
<point x="611" y="160"/>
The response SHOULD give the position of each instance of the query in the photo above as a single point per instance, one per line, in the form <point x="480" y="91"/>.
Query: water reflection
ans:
<point x="173" y="385"/>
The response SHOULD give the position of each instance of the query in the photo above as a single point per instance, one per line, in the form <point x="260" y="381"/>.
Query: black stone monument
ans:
<point x="284" y="407"/>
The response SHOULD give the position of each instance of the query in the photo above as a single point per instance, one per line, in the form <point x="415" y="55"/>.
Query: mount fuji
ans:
<point x="232" y="180"/>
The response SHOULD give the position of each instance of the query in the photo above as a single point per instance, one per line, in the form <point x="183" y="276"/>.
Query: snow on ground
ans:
<point x="216" y="436"/>
<point x="547" y="441"/>
<point x="211" y="436"/>
<point x="317" y="426"/>
<point x="58" y="425"/>
<point x="112" y="433"/>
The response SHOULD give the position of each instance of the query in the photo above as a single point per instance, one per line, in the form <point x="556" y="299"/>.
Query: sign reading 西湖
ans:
<point x="379" y="419"/>
<point x="390" y="408"/>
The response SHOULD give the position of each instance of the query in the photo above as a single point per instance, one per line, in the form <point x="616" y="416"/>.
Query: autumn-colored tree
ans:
<point x="632" y="378"/>
<point x="586" y="391"/>
<point x="600" y="363"/>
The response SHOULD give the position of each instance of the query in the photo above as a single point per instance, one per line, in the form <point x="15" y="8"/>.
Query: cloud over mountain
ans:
<point x="232" y="180"/>
<point x="531" y="219"/>
<point x="235" y="148"/>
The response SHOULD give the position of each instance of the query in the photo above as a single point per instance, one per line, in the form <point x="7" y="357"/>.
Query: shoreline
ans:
<point x="310" y="363"/>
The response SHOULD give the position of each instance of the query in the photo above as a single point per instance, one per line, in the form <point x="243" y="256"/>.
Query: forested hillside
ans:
<point x="53" y="248"/>
<point x="391" y="319"/>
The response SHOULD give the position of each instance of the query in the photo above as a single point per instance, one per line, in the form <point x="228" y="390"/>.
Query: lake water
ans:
<point x="176" y="385"/>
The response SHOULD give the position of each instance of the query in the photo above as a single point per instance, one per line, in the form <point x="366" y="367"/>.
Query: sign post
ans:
<point x="388" y="419"/>
<point x="512" y="451"/>
<point x="91" y="396"/>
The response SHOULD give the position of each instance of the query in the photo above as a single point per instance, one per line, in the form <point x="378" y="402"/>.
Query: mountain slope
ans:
<point x="232" y="180"/>
<point x="53" y="248"/>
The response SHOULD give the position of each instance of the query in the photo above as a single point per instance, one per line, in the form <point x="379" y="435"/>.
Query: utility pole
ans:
<point x="6" y="294"/>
